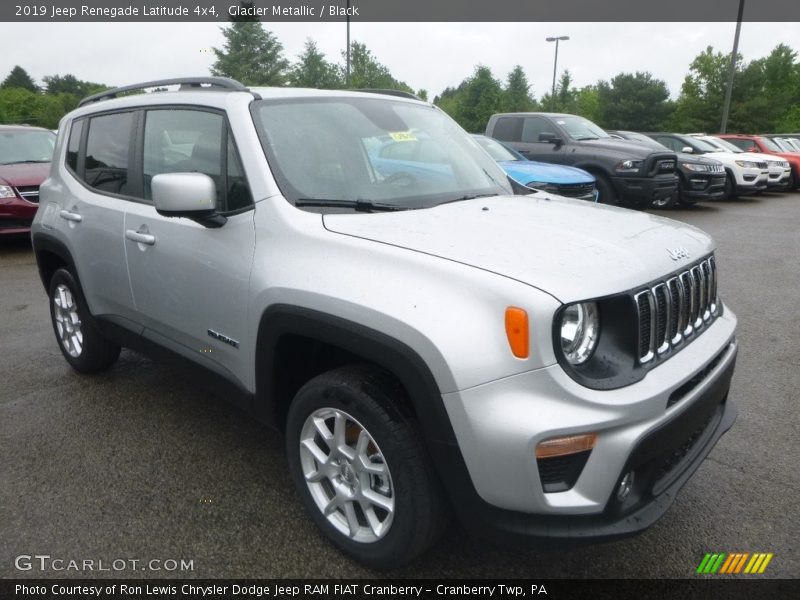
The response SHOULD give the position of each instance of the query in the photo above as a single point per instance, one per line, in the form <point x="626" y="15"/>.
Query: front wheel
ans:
<point x="605" y="191"/>
<point x="79" y="339"/>
<point x="730" y="187"/>
<point x="361" y="469"/>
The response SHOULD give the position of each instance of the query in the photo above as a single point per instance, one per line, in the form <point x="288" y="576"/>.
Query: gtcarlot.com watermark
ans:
<point x="47" y="563"/>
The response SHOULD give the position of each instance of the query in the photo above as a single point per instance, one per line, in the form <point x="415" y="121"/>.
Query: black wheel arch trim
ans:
<point x="48" y="243"/>
<point x="376" y="347"/>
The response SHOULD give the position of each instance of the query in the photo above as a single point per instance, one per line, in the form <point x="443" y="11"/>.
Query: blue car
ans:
<point x="557" y="179"/>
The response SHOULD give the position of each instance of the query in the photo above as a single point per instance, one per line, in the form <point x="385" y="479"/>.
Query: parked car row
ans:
<point x="654" y="169"/>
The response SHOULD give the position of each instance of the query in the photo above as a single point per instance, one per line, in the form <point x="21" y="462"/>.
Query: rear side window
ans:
<point x="508" y="129"/>
<point x="107" y="150"/>
<point x="75" y="134"/>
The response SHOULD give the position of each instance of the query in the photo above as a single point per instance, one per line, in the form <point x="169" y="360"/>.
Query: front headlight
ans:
<point x="542" y="186"/>
<point x="580" y="328"/>
<point x="696" y="167"/>
<point x="628" y="166"/>
<point x="747" y="164"/>
<point x="7" y="192"/>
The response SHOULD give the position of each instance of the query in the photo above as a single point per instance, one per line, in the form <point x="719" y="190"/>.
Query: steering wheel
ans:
<point x="403" y="178"/>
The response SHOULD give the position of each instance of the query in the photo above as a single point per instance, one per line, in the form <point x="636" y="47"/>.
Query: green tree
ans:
<point x="480" y="97"/>
<point x="19" y="78"/>
<point x="588" y="103"/>
<point x="367" y="73"/>
<point x="566" y="98"/>
<point x="251" y="55"/>
<point x="633" y="101"/>
<point x="699" y="106"/>
<point x="69" y="84"/>
<point x="517" y="95"/>
<point x="422" y="95"/>
<point x="313" y="70"/>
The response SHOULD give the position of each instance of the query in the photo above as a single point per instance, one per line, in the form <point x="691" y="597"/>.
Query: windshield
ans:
<point x="19" y="146"/>
<point x="340" y="151"/>
<point x="642" y="139"/>
<point x="495" y="149"/>
<point x="725" y="145"/>
<point x="770" y="144"/>
<point x="579" y="128"/>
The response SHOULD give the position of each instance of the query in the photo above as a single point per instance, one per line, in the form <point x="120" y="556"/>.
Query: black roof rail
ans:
<point x="398" y="93"/>
<point x="213" y="83"/>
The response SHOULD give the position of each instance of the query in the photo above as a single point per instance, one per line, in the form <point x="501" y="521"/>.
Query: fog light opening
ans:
<point x="625" y="486"/>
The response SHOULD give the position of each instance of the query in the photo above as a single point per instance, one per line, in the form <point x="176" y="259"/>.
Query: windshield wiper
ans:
<point x="359" y="205"/>
<point x="23" y="162"/>
<point x="468" y="197"/>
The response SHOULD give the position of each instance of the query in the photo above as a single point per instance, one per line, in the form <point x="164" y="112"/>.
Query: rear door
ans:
<point x="92" y="215"/>
<point x="190" y="283"/>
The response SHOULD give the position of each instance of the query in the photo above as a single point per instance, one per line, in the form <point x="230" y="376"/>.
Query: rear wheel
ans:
<point x="361" y="469"/>
<point x="79" y="338"/>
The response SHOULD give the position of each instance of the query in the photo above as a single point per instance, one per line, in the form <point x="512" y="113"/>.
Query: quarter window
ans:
<point x="74" y="145"/>
<point x="107" y="149"/>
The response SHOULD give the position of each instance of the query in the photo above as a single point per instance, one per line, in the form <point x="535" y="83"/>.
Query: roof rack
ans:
<point x="399" y="93"/>
<point x="186" y="83"/>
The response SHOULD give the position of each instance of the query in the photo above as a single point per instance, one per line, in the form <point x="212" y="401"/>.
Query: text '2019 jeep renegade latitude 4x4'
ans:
<point x="428" y="341"/>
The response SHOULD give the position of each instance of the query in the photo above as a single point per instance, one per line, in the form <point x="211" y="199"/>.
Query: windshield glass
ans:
<point x="495" y="149"/>
<point x="381" y="151"/>
<point x="579" y="128"/>
<point x="643" y="139"/>
<point x="770" y="144"/>
<point x="725" y="145"/>
<point x="19" y="146"/>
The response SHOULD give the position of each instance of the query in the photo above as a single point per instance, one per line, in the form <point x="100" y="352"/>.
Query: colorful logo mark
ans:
<point x="734" y="563"/>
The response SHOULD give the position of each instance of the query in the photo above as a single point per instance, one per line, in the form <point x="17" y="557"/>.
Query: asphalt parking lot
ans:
<point x="141" y="463"/>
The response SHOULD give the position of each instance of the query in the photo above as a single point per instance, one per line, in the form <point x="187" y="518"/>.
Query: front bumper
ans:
<point x="704" y="186"/>
<point x="16" y="216"/>
<point x="642" y="191"/>
<point x="779" y="182"/>
<point x="498" y="426"/>
<point x="753" y="182"/>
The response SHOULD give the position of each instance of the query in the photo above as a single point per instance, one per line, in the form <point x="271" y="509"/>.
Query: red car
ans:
<point x="25" y="154"/>
<point x="759" y="143"/>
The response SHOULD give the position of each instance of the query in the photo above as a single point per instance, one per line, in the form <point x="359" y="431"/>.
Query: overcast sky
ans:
<point x="424" y="55"/>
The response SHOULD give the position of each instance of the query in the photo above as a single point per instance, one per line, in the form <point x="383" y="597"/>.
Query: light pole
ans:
<point x="560" y="38"/>
<point x="347" y="71"/>
<point x="726" y="107"/>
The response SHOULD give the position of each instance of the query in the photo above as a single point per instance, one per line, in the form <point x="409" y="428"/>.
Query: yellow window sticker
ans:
<point x="402" y="136"/>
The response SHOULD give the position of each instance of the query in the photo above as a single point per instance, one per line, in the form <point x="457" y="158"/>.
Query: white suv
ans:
<point x="427" y="341"/>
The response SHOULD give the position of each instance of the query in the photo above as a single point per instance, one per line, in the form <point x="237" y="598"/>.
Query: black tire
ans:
<point x="375" y="401"/>
<point x="666" y="203"/>
<point x="730" y="188"/>
<point x="84" y="347"/>
<point x="682" y="199"/>
<point x="605" y="191"/>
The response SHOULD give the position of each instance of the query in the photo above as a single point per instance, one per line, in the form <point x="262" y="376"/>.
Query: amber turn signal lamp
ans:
<point x="566" y="445"/>
<point x="517" y="331"/>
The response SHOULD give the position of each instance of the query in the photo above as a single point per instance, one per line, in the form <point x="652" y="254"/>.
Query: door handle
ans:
<point x="140" y="237"/>
<point x="71" y="216"/>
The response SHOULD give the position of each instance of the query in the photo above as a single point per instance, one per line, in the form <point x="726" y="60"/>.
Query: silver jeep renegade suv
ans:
<point x="355" y="270"/>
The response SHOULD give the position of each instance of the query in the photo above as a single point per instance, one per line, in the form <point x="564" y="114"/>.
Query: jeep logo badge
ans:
<point x="678" y="253"/>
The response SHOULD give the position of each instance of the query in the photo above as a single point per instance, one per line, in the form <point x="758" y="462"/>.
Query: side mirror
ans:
<point x="687" y="149"/>
<point x="191" y="195"/>
<point x="550" y="138"/>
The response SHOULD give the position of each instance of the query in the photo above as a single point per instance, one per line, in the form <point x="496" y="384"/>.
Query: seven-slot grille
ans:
<point x="673" y="310"/>
<point x="29" y="193"/>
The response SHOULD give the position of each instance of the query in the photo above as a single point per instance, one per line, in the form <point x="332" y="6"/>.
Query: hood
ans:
<point x="622" y="147"/>
<point x="572" y="249"/>
<point x="703" y="159"/>
<point x="525" y="171"/>
<point x="24" y="174"/>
